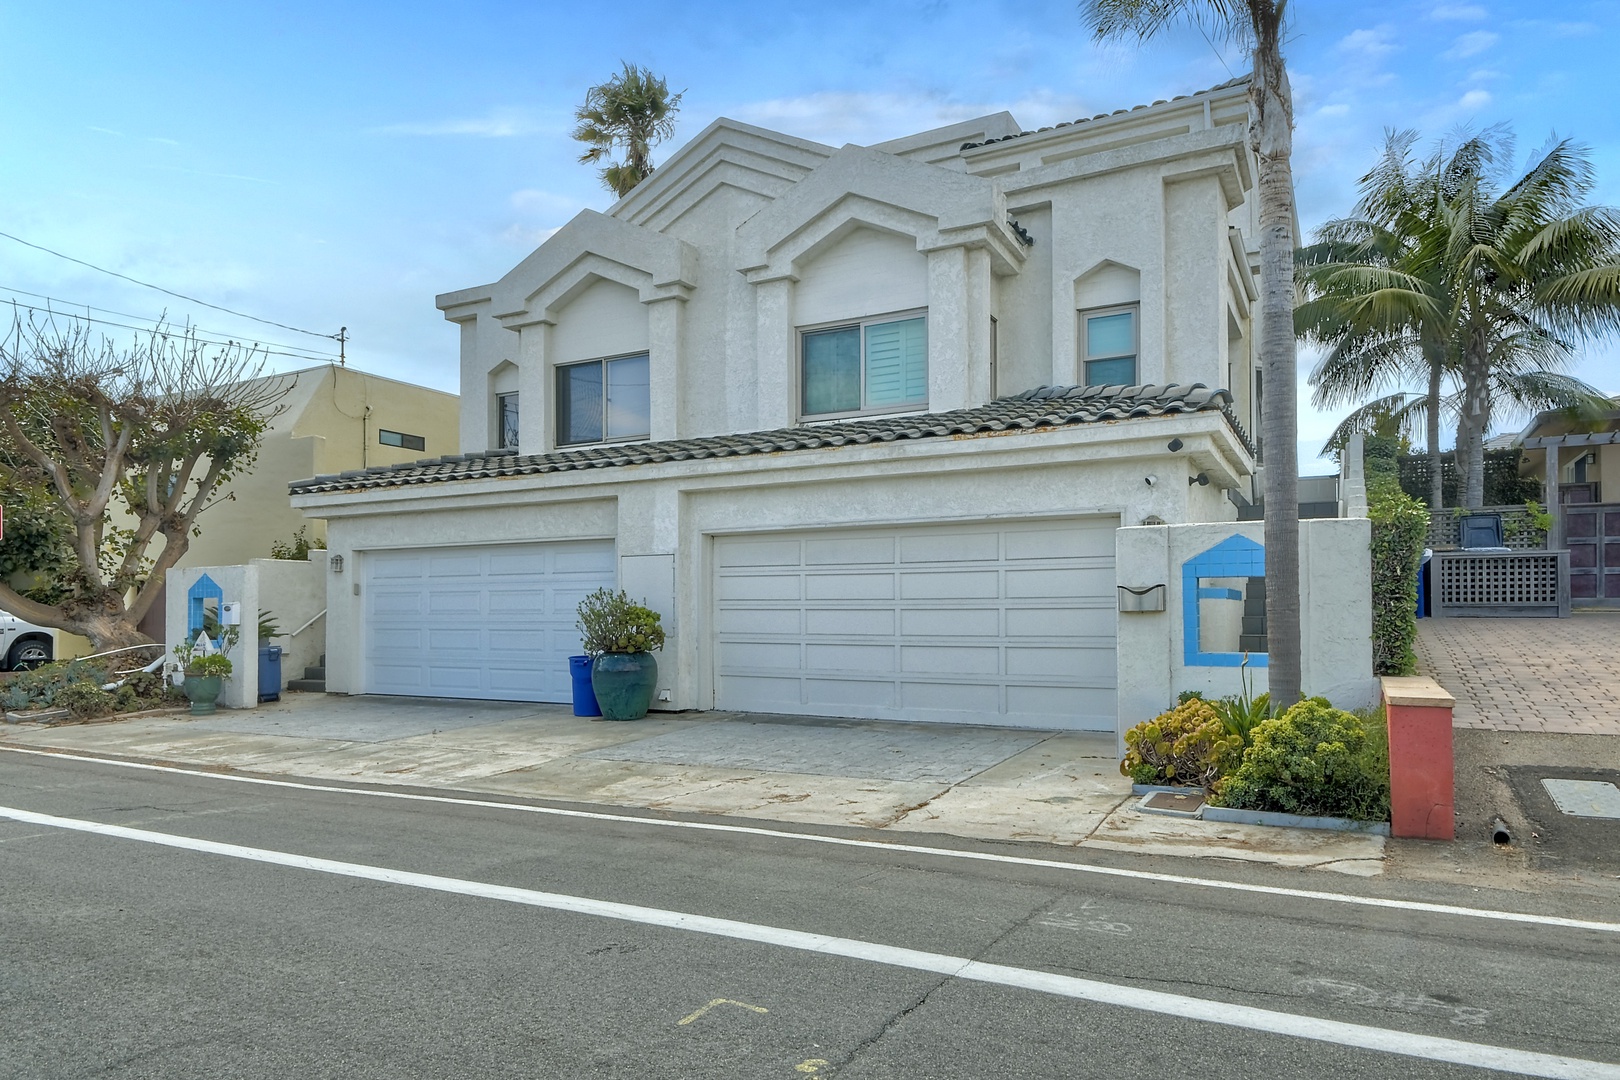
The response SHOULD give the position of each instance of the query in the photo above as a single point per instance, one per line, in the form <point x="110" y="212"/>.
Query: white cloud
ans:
<point x="1373" y="42"/>
<point x="1474" y="99"/>
<point x="1457" y="12"/>
<point x="1471" y="44"/>
<point x="535" y="201"/>
<point x="1329" y="112"/>
<point x="1575" y="29"/>
<point x="838" y="117"/>
<point x="501" y="124"/>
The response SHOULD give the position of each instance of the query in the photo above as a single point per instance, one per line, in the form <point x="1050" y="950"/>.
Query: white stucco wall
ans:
<point x="605" y="319"/>
<point x="1335" y="615"/>
<point x="864" y="273"/>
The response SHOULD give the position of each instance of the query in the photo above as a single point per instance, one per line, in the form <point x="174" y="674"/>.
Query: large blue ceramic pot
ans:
<point x="624" y="684"/>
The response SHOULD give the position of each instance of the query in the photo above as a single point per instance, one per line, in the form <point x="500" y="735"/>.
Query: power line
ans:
<point x="195" y="337"/>
<point x="168" y="292"/>
<point x="132" y="315"/>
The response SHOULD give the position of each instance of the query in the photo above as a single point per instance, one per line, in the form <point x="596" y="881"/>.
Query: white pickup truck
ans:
<point x="24" y="645"/>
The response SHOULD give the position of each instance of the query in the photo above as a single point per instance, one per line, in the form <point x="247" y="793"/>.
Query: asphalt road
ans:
<point x="446" y="940"/>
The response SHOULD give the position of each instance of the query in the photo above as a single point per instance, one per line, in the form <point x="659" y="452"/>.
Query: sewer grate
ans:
<point x="1584" y="798"/>
<point x="1172" y="802"/>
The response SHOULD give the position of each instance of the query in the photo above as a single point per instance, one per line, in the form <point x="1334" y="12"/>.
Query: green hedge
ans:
<point x="1313" y="760"/>
<point x="1400" y="525"/>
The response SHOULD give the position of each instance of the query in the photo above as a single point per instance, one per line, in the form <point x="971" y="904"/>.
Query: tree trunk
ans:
<point x="111" y="628"/>
<point x="1271" y="135"/>
<point x="1471" y="428"/>
<point x="1437" y="463"/>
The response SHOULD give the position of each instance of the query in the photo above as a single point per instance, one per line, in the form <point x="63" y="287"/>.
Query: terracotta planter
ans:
<point x="202" y="691"/>
<point x="624" y="684"/>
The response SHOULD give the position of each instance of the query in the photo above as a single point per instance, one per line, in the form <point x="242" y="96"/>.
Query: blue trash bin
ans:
<point x="269" y="672"/>
<point x="584" y="696"/>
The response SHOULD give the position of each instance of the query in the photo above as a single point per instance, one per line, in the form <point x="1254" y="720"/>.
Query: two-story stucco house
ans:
<point x="861" y="422"/>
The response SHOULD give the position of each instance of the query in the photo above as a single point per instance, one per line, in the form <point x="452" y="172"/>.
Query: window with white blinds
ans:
<point x="879" y="365"/>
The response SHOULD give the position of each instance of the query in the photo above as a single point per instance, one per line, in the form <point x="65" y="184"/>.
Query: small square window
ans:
<point x="400" y="439"/>
<point x="604" y="400"/>
<point x="1109" y="344"/>
<point x="506" y="410"/>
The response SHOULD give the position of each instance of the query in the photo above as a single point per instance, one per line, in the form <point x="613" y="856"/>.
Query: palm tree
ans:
<point x="634" y="109"/>
<point x="1259" y="24"/>
<point x="1436" y="280"/>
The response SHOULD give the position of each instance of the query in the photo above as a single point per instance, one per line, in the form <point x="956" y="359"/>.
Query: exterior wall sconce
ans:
<point x="337" y="564"/>
<point x="1147" y="598"/>
<point x="1202" y="480"/>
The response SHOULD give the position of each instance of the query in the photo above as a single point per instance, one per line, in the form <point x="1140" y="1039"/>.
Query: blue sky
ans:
<point x="341" y="163"/>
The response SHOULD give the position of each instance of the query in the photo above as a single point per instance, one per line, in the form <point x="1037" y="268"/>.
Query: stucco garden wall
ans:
<point x="1335" y="615"/>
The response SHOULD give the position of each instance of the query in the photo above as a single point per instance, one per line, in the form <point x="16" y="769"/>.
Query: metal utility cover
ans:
<point x="1584" y="798"/>
<point x="1172" y="802"/>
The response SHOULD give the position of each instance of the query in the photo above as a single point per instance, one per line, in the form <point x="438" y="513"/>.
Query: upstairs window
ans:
<point x="879" y="365"/>
<point x="400" y="439"/>
<point x="506" y="420"/>
<point x="608" y="400"/>
<point x="1110" y="340"/>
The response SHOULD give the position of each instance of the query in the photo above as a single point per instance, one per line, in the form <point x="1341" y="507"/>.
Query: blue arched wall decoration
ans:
<point x="196" y="603"/>
<point x="1236" y="556"/>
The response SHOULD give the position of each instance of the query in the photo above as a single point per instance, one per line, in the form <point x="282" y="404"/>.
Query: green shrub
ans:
<point x="610" y="622"/>
<point x="1400" y="526"/>
<point x="214" y="665"/>
<point x="39" y="687"/>
<point x="1187" y="745"/>
<point x="84" y="700"/>
<point x="1314" y="760"/>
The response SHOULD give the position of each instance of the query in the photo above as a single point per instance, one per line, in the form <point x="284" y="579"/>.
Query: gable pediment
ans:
<point x="861" y="187"/>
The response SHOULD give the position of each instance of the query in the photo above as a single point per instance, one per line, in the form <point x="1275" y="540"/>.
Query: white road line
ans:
<point x="1360" y="1036"/>
<point x="876" y="845"/>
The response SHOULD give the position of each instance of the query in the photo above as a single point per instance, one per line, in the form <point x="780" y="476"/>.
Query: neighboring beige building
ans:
<point x="334" y="419"/>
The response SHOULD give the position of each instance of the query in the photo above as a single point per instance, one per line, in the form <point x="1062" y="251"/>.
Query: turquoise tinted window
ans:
<point x="1108" y="372"/>
<point x="897" y="363"/>
<point x="1111" y="335"/>
<point x="832" y="371"/>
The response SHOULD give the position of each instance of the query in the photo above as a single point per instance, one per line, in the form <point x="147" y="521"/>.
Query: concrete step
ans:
<point x="1254" y="625"/>
<point x="308" y="686"/>
<point x="1252" y="643"/>
<point x="315" y="673"/>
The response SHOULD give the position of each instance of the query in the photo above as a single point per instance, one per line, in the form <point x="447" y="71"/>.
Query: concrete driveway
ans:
<point x="978" y="782"/>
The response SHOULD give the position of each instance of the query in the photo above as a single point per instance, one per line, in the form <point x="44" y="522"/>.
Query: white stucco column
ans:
<point x="665" y="319"/>
<point x="475" y="391"/>
<point x="976" y="329"/>
<point x="649" y="524"/>
<point x="778" y="402"/>
<point x="1195" y="257"/>
<point x="949" y="309"/>
<point x="534" y="406"/>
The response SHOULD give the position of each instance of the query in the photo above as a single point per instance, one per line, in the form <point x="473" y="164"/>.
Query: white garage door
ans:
<point x="986" y="624"/>
<point x="479" y="622"/>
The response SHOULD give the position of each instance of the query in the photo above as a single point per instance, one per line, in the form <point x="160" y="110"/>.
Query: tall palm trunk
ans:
<point x="1472" y="425"/>
<point x="1437" y="463"/>
<point x="1272" y="137"/>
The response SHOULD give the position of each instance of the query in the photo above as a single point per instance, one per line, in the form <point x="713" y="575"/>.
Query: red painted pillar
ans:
<point x="1421" y="771"/>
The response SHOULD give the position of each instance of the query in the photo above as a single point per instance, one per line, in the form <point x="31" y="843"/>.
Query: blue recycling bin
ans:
<point x="584" y="696"/>
<point x="269" y="672"/>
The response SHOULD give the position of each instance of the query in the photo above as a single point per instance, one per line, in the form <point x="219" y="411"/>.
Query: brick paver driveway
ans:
<point x="1560" y="675"/>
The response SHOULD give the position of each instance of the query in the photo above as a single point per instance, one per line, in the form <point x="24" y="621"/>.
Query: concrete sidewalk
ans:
<point x="981" y="783"/>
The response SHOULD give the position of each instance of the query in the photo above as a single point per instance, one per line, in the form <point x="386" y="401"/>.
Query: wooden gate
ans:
<point x="1592" y="534"/>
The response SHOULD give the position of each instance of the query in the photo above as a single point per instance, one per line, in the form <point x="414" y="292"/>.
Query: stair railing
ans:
<point x="307" y="625"/>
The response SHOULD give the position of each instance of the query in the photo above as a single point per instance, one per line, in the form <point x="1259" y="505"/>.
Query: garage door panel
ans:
<point x="849" y="587"/>
<point x="947" y="659"/>
<point x="952" y="697"/>
<point x="849" y="622"/>
<point x="951" y="622"/>
<point x="833" y="694"/>
<point x="849" y="552"/>
<point x="758" y="621"/>
<point x="758" y="587"/>
<point x="954" y="547"/>
<point x="492" y="622"/>
<point x="849" y="657"/>
<point x="761" y="553"/>
<point x="1012" y="623"/>
<point x="950" y="585"/>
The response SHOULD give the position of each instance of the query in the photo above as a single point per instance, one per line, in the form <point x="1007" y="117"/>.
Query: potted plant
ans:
<point x="205" y="672"/>
<point x="620" y="636"/>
